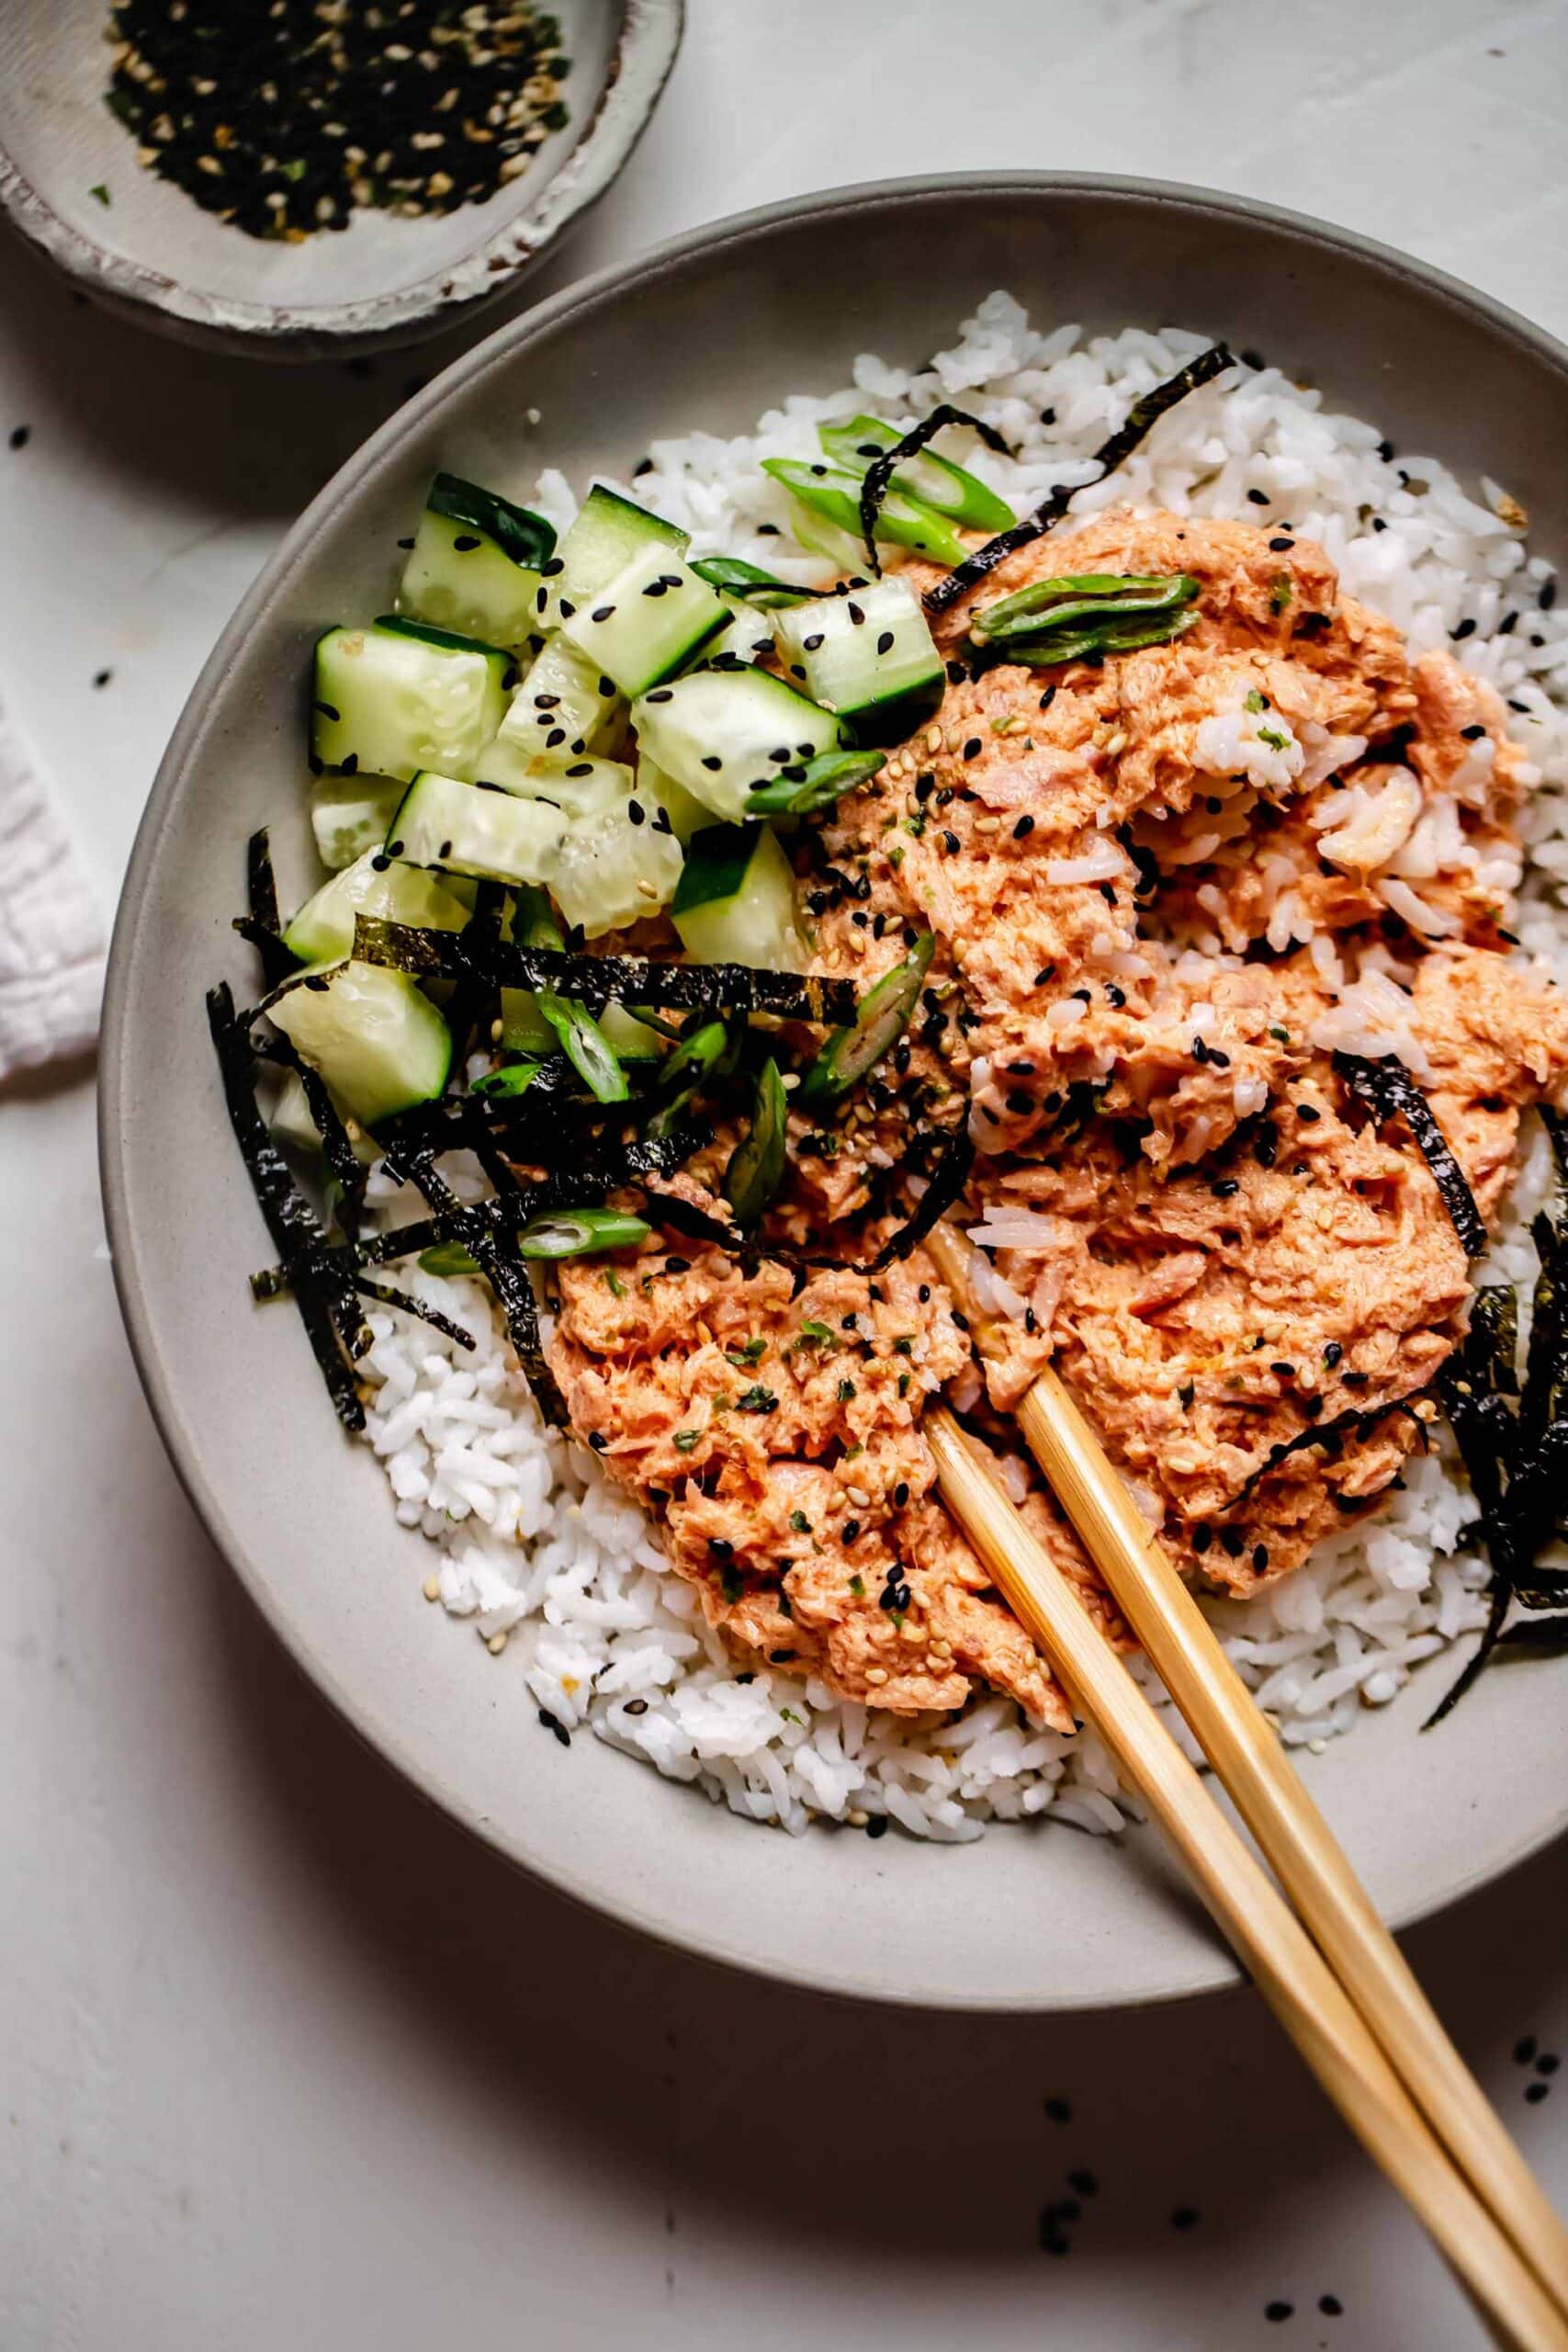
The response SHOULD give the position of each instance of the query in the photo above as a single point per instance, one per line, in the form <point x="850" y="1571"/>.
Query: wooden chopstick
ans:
<point x="1274" y="1802"/>
<point x="1272" y="1943"/>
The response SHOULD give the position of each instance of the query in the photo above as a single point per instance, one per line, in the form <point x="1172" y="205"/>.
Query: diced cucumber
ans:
<point x="582" y="787"/>
<point x="868" y="655"/>
<point x="735" y="903"/>
<point x="928" y="479"/>
<point x="322" y="930"/>
<point x="378" y="1043"/>
<point x="350" y="814"/>
<point x="656" y="786"/>
<point x="397" y="697"/>
<point x="615" y="867"/>
<point x="608" y="531"/>
<point x="721" y="732"/>
<point x="748" y="637"/>
<point x="490" y="834"/>
<point x="645" y="620"/>
<point x="474" y="563"/>
<point x="292" y="1126"/>
<point x="564" y="704"/>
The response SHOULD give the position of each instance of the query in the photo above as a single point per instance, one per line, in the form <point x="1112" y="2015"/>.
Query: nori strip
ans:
<point x="1143" y="415"/>
<point x="947" y="1181"/>
<point x="880" y="472"/>
<point x="409" y="1306"/>
<point x="1546" y="1633"/>
<point x="348" y="1169"/>
<point x="495" y="1251"/>
<point x="1359" y="1421"/>
<point x="716" y="988"/>
<point x="327" y="1308"/>
<point x="261" y="926"/>
<point x="1387" y="1090"/>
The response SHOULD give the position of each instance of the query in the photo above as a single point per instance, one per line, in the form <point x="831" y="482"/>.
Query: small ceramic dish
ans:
<point x="707" y="333"/>
<point x="70" y="185"/>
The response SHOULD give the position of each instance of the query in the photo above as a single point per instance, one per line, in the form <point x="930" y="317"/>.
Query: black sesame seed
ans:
<point x="711" y="761"/>
<point x="1330" y="2306"/>
<point x="1024" y="827"/>
<point x="465" y="542"/>
<point x="1472" y="734"/>
<point x="102" y="677"/>
<point x="1547" y="597"/>
<point x="20" y="435"/>
<point x="1057" y="2110"/>
<point x="1278" y="2312"/>
<point x="972" y="748"/>
<point x="877" y="1826"/>
<point x="1332" y="1354"/>
<point x="1465" y="629"/>
<point x="1185" y="2217"/>
<point x="1535" y="2093"/>
<point x="885" y="642"/>
<point x="636" y="813"/>
<point x="1281" y="546"/>
<point x="1548" y="2063"/>
<point x="1259" y="497"/>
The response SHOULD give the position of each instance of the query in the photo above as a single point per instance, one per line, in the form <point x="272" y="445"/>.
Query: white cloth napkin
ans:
<point x="51" y="933"/>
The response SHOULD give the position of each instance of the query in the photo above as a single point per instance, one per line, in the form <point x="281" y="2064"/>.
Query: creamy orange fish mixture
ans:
<point x="1166" y="888"/>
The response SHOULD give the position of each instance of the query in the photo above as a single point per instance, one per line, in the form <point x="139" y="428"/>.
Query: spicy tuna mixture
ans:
<point x="1194" y="1216"/>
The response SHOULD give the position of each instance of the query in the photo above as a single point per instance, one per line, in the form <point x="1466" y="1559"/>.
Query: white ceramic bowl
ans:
<point x="153" y="255"/>
<point x="707" y="332"/>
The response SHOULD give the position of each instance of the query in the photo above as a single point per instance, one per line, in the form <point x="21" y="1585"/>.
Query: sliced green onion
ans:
<point x="515" y="1079"/>
<point x="1050" y="604"/>
<point x="448" y="1258"/>
<point x="580" y="1233"/>
<point x="1113" y="637"/>
<point x="937" y="482"/>
<point x="682" y="1075"/>
<point x="757" y="1166"/>
<point x="834" y="495"/>
<point x="827" y="779"/>
<point x="733" y="576"/>
<point x="586" y="1046"/>
<point x="883" y="1017"/>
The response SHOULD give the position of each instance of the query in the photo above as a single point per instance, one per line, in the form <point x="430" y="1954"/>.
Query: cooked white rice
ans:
<point x="561" y="1573"/>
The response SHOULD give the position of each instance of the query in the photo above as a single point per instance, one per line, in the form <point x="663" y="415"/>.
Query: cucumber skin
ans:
<point x="755" y="923"/>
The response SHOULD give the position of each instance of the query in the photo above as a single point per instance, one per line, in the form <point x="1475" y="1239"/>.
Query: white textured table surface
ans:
<point x="283" y="2060"/>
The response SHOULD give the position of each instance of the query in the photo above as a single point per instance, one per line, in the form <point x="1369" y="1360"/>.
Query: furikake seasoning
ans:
<point x="288" y="116"/>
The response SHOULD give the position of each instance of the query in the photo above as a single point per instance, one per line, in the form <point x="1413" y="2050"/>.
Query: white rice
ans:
<point x="554" y="1566"/>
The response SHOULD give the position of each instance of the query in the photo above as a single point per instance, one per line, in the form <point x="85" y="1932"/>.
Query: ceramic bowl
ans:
<point x="70" y="183"/>
<point x="707" y="332"/>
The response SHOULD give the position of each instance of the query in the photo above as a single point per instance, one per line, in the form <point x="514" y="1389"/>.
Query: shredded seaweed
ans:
<point x="261" y="926"/>
<point x="594" y="979"/>
<point x="1514" y="1440"/>
<point x="349" y="1173"/>
<point x="944" y="1186"/>
<point x="1330" y="1436"/>
<point x="494" y="1248"/>
<point x="1387" y="1090"/>
<point x="324" y="1294"/>
<point x="409" y="1305"/>
<point x="1143" y="415"/>
<point x="880" y="472"/>
<point x="1549" y="1635"/>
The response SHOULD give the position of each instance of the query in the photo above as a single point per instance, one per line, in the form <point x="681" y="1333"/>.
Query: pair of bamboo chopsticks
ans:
<point x="1329" y="1969"/>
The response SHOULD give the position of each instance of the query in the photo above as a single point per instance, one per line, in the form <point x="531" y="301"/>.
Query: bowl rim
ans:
<point x="182" y="1441"/>
<point x="641" y="58"/>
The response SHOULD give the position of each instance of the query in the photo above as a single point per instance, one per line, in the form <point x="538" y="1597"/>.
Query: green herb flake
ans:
<point x="857" y="1585"/>
<point x="1281" y="594"/>
<point x="1186" y="1392"/>
<point x="904" y="1346"/>
<point x="749" y="1352"/>
<point x="813" y="1334"/>
<point x="800" y="1523"/>
<point x="684" y="1440"/>
<point x="1272" y="736"/>
<point x="788" y="1715"/>
<point x="101" y="193"/>
<point x="846" y="1390"/>
<point x="903" y="1384"/>
<point x="757" y="1399"/>
<point x="1282" y="1035"/>
<point x="613" y="1284"/>
<point x="1255" y="702"/>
